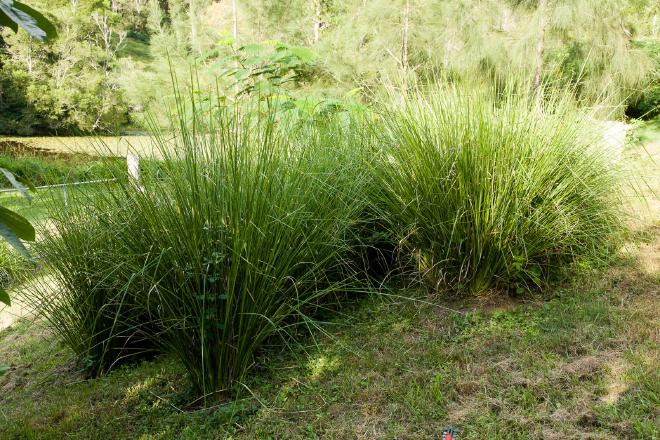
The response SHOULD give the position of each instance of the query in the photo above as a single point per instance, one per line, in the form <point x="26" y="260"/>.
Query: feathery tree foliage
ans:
<point x="113" y="59"/>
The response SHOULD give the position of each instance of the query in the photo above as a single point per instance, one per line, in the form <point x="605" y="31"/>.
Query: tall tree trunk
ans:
<point x="234" y="10"/>
<point x="29" y="58"/>
<point x="2" y="47"/>
<point x="193" y="25"/>
<point x="259" y="7"/>
<point x="404" y="43"/>
<point x="404" y="40"/>
<point x="540" y="44"/>
<point x="317" y="20"/>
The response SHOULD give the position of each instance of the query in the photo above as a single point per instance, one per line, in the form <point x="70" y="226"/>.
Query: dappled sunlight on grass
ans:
<point x="322" y="365"/>
<point x="579" y="360"/>
<point x="135" y="391"/>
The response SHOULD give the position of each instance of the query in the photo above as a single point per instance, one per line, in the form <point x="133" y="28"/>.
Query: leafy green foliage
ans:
<point x="271" y="72"/>
<point x="112" y="65"/>
<point x="4" y="297"/>
<point x="14" y="227"/>
<point x="645" y="102"/>
<point x="14" y="14"/>
<point x="265" y="68"/>
<point x="63" y="86"/>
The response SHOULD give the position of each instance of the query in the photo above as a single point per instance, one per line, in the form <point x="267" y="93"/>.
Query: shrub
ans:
<point x="483" y="193"/>
<point x="243" y="230"/>
<point x="250" y="221"/>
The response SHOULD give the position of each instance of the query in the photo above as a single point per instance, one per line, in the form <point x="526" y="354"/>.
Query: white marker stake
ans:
<point x="133" y="163"/>
<point x="614" y="138"/>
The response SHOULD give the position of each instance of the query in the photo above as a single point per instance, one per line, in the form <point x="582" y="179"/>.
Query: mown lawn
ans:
<point x="577" y="361"/>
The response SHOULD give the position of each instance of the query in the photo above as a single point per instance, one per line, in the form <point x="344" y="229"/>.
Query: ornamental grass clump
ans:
<point x="242" y="232"/>
<point x="499" y="193"/>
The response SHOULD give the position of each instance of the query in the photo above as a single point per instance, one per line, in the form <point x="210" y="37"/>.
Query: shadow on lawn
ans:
<point x="578" y="361"/>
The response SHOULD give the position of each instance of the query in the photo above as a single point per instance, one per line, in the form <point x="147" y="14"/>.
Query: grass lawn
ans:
<point x="117" y="145"/>
<point x="578" y="361"/>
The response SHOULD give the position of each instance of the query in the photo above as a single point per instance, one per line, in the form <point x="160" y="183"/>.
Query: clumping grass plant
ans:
<point x="496" y="193"/>
<point x="91" y="293"/>
<point x="246" y="222"/>
<point x="241" y="233"/>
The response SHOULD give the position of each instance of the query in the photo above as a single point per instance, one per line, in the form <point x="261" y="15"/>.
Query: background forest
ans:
<point x="113" y="61"/>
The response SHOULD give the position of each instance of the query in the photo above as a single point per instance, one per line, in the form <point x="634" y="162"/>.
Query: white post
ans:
<point x="133" y="163"/>
<point x="614" y="138"/>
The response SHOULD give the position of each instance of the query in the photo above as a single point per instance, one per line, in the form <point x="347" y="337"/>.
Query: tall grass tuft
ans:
<point x="89" y="293"/>
<point x="496" y="193"/>
<point x="245" y="228"/>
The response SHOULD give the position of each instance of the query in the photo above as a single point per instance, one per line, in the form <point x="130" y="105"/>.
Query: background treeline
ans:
<point x="111" y="64"/>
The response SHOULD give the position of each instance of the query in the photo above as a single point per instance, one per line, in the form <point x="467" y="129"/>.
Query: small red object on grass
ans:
<point x="449" y="434"/>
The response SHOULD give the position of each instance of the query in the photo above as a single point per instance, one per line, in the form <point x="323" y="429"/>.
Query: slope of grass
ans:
<point x="580" y="361"/>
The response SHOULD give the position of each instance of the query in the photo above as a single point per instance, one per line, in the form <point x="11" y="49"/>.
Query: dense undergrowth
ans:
<point x="255" y="222"/>
<point x="106" y="77"/>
